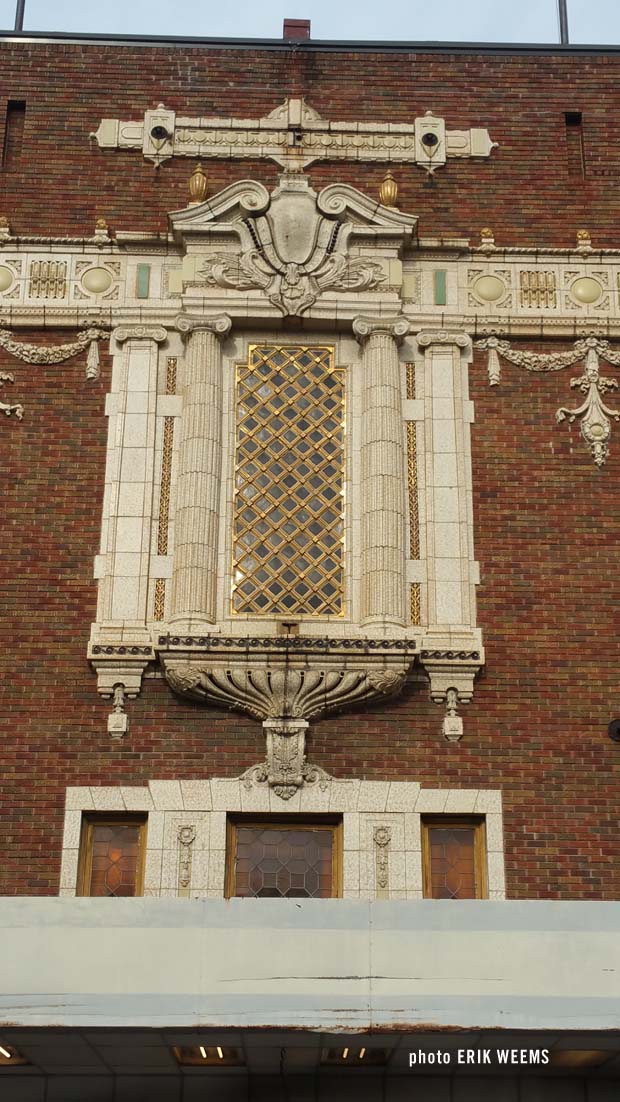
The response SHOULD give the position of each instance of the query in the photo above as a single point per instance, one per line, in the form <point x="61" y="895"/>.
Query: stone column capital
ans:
<point x="395" y="327"/>
<point x="443" y="337"/>
<point x="218" y="324"/>
<point x="124" y="333"/>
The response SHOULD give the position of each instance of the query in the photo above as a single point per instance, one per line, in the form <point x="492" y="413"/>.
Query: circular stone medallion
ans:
<point x="96" y="280"/>
<point x="6" y="277"/>
<point x="489" y="288"/>
<point x="586" y="290"/>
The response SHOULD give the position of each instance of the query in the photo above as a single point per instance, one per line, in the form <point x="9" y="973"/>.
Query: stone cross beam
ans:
<point x="293" y="135"/>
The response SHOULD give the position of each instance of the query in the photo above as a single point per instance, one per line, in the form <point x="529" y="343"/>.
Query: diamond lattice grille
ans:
<point x="289" y="504"/>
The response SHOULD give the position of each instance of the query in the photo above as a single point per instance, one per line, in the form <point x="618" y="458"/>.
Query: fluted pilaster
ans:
<point x="194" y="577"/>
<point x="383" y="554"/>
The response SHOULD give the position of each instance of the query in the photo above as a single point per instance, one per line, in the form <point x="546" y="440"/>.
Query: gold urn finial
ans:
<point x="584" y="241"/>
<point x="197" y="186"/>
<point x="388" y="192"/>
<point x="487" y="239"/>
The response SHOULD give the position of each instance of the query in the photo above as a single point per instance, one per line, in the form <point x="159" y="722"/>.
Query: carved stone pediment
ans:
<point x="293" y="244"/>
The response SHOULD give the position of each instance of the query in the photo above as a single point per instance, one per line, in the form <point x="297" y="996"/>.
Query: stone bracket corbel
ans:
<point x="120" y="665"/>
<point x="448" y="669"/>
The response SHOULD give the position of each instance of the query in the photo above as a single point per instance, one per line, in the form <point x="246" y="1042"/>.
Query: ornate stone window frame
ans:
<point x="338" y="276"/>
<point x="382" y="835"/>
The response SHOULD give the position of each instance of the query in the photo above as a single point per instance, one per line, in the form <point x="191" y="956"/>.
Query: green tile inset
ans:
<point x="143" y="279"/>
<point x="440" y="288"/>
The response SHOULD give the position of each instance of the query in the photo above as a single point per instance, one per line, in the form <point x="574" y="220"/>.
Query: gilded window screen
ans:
<point x="454" y="860"/>
<point x="112" y="857"/>
<point x="282" y="861"/>
<point x="288" y="538"/>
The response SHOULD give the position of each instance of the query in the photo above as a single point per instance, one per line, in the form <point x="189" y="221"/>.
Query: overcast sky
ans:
<point x="593" y="21"/>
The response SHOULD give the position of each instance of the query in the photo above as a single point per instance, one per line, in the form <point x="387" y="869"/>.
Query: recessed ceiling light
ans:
<point x="208" y="1056"/>
<point x="351" y="1056"/>
<point x="9" y="1056"/>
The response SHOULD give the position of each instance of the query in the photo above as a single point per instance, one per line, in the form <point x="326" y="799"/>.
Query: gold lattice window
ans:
<point x="289" y="495"/>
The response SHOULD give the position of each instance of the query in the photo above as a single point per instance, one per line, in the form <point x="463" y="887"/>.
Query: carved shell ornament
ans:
<point x="268" y="694"/>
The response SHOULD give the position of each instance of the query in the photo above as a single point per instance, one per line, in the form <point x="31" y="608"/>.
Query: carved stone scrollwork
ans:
<point x="124" y="333"/>
<point x="595" y="425"/>
<point x="382" y="836"/>
<point x="219" y="324"/>
<point x="397" y="328"/>
<point x="594" y="414"/>
<point x="285" y="769"/>
<point x="285" y="691"/>
<point x="452" y="726"/>
<point x="442" y="336"/>
<point x="17" y="408"/>
<point x="186" y="836"/>
<point x="294" y="244"/>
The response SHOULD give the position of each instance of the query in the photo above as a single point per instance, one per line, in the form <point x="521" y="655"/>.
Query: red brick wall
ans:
<point x="546" y="517"/>
<point x="524" y="191"/>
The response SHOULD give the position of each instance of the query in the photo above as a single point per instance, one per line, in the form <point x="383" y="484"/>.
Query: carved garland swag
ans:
<point x="49" y="354"/>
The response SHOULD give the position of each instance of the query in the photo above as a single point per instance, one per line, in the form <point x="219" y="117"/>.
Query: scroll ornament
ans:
<point x="285" y="768"/>
<point x="284" y="699"/>
<point x="17" y="408"/>
<point x="594" y="414"/>
<point x="291" y="287"/>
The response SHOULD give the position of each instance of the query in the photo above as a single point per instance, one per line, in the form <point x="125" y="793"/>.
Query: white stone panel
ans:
<point x="137" y="799"/>
<point x="461" y="801"/>
<point x="107" y="798"/>
<point x="166" y="795"/>
<point x="79" y="797"/>
<point x="373" y="795"/>
<point x="196" y="795"/>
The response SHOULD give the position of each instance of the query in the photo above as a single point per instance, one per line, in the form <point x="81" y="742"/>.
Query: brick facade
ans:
<point x="545" y="517"/>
